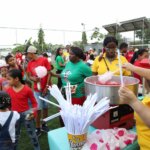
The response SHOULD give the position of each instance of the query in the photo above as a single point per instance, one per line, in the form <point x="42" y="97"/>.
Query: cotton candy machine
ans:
<point x="121" y="116"/>
<point x="110" y="89"/>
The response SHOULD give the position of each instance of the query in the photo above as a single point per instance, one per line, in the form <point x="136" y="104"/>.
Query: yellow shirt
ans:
<point x="100" y="66"/>
<point x="143" y="131"/>
<point x="66" y="56"/>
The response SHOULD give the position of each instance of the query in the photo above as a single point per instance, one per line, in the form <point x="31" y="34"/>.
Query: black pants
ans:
<point x="59" y="83"/>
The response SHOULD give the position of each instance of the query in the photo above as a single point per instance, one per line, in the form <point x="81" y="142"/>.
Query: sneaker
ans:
<point x="38" y="132"/>
<point x="45" y="128"/>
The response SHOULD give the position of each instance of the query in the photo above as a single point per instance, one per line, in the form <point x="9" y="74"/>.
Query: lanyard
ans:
<point x="106" y="64"/>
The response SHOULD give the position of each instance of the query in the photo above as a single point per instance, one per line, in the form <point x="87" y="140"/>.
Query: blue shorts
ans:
<point x="41" y="104"/>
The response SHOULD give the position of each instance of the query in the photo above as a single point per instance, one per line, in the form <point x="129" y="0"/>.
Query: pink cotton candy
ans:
<point x="41" y="71"/>
<point x="94" y="146"/>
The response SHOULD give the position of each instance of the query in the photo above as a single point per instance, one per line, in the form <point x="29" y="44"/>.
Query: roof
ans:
<point x="130" y="25"/>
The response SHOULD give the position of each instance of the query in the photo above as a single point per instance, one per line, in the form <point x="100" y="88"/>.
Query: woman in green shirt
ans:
<point x="60" y="64"/>
<point x="76" y="71"/>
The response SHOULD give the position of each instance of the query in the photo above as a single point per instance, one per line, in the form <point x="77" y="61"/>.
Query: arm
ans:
<point x="94" y="67"/>
<point x="128" y="97"/>
<point x="32" y="78"/>
<point x="138" y="70"/>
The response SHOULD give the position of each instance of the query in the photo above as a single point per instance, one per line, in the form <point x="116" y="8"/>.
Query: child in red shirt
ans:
<point x="20" y="95"/>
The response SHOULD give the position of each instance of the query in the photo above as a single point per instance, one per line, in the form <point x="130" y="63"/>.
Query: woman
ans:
<point x="142" y="109"/>
<point x="75" y="72"/>
<point x="136" y="59"/>
<point x="60" y="64"/>
<point x="109" y="60"/>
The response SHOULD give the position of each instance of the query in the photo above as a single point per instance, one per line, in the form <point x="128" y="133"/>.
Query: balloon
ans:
<point x="41" y="71"/>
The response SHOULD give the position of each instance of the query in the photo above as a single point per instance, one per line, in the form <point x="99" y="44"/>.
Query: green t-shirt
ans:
<point x="76" y="73"/>
<point x="59" y="59"/>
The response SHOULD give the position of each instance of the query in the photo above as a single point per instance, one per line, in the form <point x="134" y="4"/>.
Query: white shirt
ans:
<point x="3" y="118"/>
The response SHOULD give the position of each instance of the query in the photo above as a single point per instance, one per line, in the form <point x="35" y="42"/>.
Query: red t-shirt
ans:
<point x="41" y="61"/>
<point x="19" y="57"/>
<point x="129" y="55"/>
<point x="138" y="64"/>
<point x="19" y="100"/>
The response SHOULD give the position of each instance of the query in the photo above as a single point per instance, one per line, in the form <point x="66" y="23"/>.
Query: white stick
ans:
<point x="49" y="101"/>
<point x="120" y="67"/>
<point x="51" y="117"/>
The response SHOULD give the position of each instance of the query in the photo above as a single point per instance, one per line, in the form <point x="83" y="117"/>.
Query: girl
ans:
<point x="20" y="94"/>
<point x="136" y="59"/>
<point x="8" y="121"/>
<point x="142" y="109"/>
<point x="60" y="64"/>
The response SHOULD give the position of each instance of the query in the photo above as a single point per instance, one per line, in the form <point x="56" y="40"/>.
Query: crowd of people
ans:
<point x="21" y="87"/>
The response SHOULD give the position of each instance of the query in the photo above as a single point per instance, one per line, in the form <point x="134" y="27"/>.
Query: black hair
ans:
<point x="110" y="39"/>
<point x="45" y="55"/>
<point x="28" y="83"/>
<point x="78" y="52"/>
<point x="57" y="52"/>
<point x="15" y="73"/>
<point x="136" y="54"/>
<point x="7" y="58"/>
<point x="123" y="45"/>
<point x="5" y="100"/>
<point x="91" y="57"/>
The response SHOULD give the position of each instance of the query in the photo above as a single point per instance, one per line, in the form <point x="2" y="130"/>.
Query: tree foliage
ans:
<point x="145" y="35"/>
<point x="78" y="44"/>
<point x="41" y="43"/>
<point x="97" y="35"/>
<point x="84" y="38"/>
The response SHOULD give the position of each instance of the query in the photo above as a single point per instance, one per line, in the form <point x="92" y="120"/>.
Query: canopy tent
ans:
<point x="130" y="25"/>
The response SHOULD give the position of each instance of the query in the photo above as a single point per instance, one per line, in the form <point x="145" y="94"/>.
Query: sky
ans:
<point x="64" y="15"/>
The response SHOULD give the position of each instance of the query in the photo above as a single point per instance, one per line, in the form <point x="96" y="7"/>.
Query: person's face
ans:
<point x="145" y="55"/>
<point x="111" y="50"/>
<point x="61" y="51"/>
<point x="72" y="57"/>
<point x="124" y="50"/>
<point x="3" y="71"/>
<point x="11" y="61"/>
<point x="30" y="56"/>
<point x="11" y="81"/>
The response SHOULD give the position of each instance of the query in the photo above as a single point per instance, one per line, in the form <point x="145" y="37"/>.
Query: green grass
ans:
<point x="24" y="141"/>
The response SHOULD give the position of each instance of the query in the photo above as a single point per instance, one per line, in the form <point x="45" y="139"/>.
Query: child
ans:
<point x="8" y="120"/>
<point x="3" y="81"/>
<point x="20" y="94"/>
<point x="142" y="109"/>
<point x="12" y="64"/>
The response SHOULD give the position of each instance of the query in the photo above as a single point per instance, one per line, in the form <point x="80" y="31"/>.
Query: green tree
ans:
<point x="78" y="44"/>
<point x="84" y="38"/>
<point x="143" y="35"/>
<point x="97" y="35"/>
<point x="41" y="42"/>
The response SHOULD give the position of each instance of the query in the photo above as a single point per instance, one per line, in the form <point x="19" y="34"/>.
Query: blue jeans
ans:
<point x="41" y="104"/>
<point x="7" y="145"/>
<point x="29" y="125"/>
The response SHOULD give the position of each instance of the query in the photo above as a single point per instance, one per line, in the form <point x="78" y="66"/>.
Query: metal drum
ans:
<point x="110" y="91"/>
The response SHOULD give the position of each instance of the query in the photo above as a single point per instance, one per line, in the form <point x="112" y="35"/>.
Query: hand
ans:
<point x="44" y="91"/>
<point x="36" y="79"/>
<point x="128" y="66"/>
<point x="126" y="96"/>
<point x="100" y="56"/>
